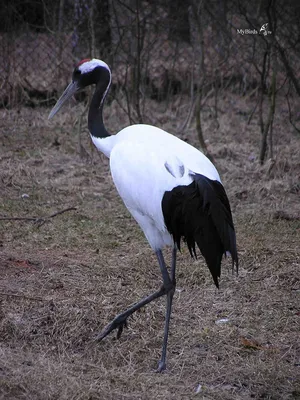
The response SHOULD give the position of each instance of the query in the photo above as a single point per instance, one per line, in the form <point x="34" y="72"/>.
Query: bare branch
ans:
<point x="22" y="296"/>
<point x="38" y="220"/>
<point x="290" y="114"/>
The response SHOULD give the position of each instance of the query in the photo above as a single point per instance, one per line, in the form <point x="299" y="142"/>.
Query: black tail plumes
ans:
<point x="200" y="213"/>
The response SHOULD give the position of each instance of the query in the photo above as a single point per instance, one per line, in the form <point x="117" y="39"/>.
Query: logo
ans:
<point x="263" y="31"/>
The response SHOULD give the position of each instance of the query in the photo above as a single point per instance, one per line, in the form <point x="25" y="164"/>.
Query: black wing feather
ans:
<point x="200" y="214"/>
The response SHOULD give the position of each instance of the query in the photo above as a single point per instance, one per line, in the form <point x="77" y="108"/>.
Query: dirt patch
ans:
<point x="62" y="281"/>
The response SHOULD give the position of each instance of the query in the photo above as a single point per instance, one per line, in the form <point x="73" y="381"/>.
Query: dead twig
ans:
<point x="285" y="216"/>
<point x="38" y="220"/>
<point x="22" y="296"/>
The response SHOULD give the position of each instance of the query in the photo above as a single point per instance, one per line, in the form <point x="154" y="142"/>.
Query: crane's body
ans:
<point x="145" y="162"/>
<point x="171" y="189"/>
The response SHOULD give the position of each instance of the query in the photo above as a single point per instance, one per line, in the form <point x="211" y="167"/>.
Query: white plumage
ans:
<point x="171" y="189"/>
<point x="145" y="162"/>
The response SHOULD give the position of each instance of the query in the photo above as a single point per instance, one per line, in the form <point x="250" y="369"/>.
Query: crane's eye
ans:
<point x="76" y="73"/>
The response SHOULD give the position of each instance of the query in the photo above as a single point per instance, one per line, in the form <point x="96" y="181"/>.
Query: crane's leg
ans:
<point x="120" y="321"/>
<point x="173" y="264"/>
<point x="170" y="294"/>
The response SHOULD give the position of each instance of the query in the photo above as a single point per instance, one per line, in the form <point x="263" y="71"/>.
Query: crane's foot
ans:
<point x="119" y="322"/>
<point x="161" y="366"/>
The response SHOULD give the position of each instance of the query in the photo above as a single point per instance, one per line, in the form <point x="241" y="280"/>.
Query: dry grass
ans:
<point x="63" y="281"/>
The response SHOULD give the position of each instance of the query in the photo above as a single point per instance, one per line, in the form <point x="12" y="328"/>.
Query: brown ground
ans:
<point x="64" y="279"/>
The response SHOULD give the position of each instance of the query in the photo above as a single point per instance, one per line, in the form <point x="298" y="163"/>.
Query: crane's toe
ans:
<point x="121" y="326"/>
<point x="118" y="322"/>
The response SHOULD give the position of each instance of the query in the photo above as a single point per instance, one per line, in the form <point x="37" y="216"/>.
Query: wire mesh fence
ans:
<point x="153" y="45"/>
<point x="40" y="41"/>
<point x="156" y="49"/>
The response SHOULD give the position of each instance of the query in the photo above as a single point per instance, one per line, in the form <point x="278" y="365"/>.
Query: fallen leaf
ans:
<point x="22" y="263"/>
<point x="251" y="344"/>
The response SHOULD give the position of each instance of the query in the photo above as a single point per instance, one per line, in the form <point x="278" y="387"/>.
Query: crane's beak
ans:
<point x="67" y="94"/>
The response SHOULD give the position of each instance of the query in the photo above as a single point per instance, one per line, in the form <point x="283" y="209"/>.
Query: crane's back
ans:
<point x="155" y="139"/>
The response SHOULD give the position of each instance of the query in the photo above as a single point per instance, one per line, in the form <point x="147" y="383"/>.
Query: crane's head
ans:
<point x="87" y="72"/>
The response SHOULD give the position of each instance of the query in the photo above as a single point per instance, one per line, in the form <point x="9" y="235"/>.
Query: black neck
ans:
<point x="95" y="117"/>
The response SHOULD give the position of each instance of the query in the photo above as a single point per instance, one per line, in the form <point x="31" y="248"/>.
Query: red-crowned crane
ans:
<point x="171" y="189"/>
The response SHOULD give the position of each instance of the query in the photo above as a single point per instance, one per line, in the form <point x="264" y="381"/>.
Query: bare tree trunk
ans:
<point x="92" y="29"/>
<point x="127" y="38"/>
<point x="273" y="97"/>
<point x="136" y="52"/>
<point x="289" y="69"/>
<point x="221" y="28"/>
<point x="93" y="52"/>
<point x="60" y="39"/>
<point x="262" y="90"/>
<point x="61" y="15"/>
<point x="197" y="39"/>
<point x="267" y="129"/>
